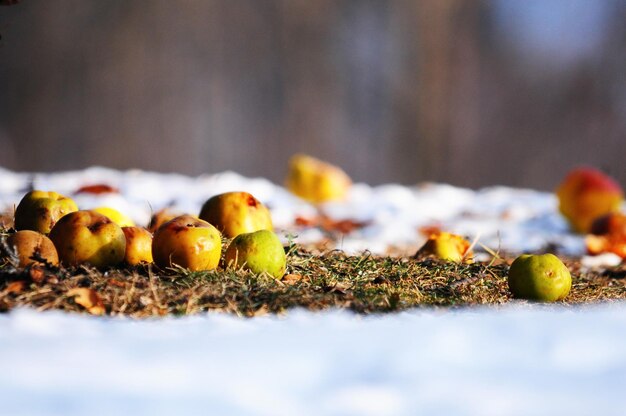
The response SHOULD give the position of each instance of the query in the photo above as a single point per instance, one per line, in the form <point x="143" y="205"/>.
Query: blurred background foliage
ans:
<point x="472" y="93"/>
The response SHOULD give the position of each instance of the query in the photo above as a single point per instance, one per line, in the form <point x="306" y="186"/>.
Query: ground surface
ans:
<point x="364" y="284"/>
<point x="427" y="337"/>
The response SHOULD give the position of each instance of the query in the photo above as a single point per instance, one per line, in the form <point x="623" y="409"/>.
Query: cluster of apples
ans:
<point x="51" y="228"/>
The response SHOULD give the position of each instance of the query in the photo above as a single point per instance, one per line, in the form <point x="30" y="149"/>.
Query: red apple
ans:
<point x="586" y="194"/>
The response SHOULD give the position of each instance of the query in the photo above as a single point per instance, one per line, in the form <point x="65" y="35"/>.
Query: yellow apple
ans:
<point x="40" y="210"/>
<point x="234" y="213"/>
<point x="446" y="246"/>
<point x="315" y="180"/>
<point x="28" y="243"/>
<point x="88" y="237"/>
<point x="138" y="245"/>
<point x="259" y="252"/>
<point x="115" y="216"/>
<point x="187" y="242"/>
<point x="539" y="277"/>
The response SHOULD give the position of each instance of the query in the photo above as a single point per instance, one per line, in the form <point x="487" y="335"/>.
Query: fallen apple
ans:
<point x="138" y="245"/>
<point x="608" y="235"/>
<point x="161" y="217"/>
<point x="188" y="242"/>
<point x="315" y="180"/>
<point x="446" y="246"/>
<point x="260" y="252"/>
<point x="586" y="194"/>
<point x="541" y="277"/>
<point x="40" y="210"/>
<point x="115" y="216"/>
<point x="234" y="213"/>
<point x="29" y="245"/>
<point x="88" y="237"/>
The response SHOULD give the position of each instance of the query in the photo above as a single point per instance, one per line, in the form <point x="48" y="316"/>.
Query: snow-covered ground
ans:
<point x="513" y="360"/>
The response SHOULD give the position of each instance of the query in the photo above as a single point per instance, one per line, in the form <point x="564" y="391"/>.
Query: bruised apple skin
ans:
<point x="586" y="194"/>
<point x="161" y="217"/>
<point x="446" y="246"/>
<point x="115" y="216"/>
<point x="542" y="278"/>
<point x="188" y="242"/>
<point x="40" y="210"/>
<point x="138" y="246"/>
<point x="28" y="243"/>
<point x="88" y="237"/>
<point x="315" y="180"/>
<point x="259" y="252"/>
<point x="234" y="213"/>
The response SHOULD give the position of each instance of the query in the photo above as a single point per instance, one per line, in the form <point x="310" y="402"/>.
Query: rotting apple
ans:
<point x="608" y="235"/>
<point x="40" y="210"/>
<point x="446" y="246"/>
<point x="188" y="242"/>
<point x="161" y="217"/>
<point x="138" y="245"/>
<point x="315" y="180"/>
<point x="116" y="216"/>
<point x="260" y="252"/>
<point x="29" y="246"/>
<point x="88" y="237"/>
<point x="586" y="194"/>
<point x="540" y="277"/>
<point x="234" y="213"/>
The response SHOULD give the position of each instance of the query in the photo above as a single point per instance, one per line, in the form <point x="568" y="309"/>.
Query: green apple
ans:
<point x="259" y="251"/>
<point x="188" y="242"/>
<point x="539" y="277"/>
<point x="88" y="237"/>
<point x="235" y="213"/>
<point x="40" y="210"/>
<point x="27" y="243"/>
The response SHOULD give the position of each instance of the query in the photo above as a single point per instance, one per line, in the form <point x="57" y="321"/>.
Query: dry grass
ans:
<point x="364" y="284"/>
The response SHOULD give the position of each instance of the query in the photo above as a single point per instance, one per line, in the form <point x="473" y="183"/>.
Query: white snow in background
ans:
<point x="518" y="359"/>
<point x="504" y="218"/>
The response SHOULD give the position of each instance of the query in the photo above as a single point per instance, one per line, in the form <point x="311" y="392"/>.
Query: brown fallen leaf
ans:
<point x="97" y="189"/>
<point x="291" y="278"/>
<point x="89" y="299"/>
<point x="329" y="225"/>
<point x="15" y="287"/>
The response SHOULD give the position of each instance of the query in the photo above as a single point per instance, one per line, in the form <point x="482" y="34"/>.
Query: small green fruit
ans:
<point x="539" y="277"/>
<point x="259" y="251"/>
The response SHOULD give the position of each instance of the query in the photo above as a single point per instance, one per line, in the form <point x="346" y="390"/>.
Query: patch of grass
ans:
<point x="364" y="284"/>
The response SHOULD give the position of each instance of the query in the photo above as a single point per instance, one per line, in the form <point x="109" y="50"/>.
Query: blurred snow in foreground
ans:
<point x="516" y="360"/>
<point x="512" y="360"/>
